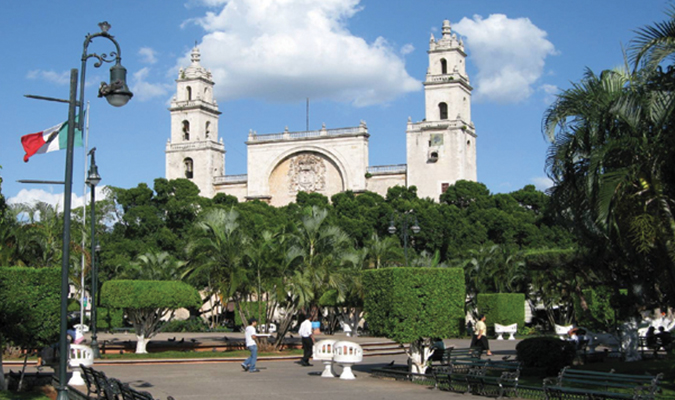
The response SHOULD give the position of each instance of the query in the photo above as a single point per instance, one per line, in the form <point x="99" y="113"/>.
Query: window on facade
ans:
<point x="443" y="110"/>
<point x="189" y="93"/>
<point x="207" y="130"/>
<point x="444" y="187"/>
<point x="186" y="130"/>
<point x="189" y="170"/>
<point x="444" y="66"/>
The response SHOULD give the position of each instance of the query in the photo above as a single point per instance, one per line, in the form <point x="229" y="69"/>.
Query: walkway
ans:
<point x="277" y="379"/>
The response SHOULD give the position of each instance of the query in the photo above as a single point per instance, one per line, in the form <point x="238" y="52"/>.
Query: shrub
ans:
<point x="30" y="301"/>
<point x="406" y="304"/>
<point x="191" y="324"/>
<point x="73" y="305"/>
<point x="502" y="308"/>
<point x="109" y="318"/>
<point x="545" y="355"/>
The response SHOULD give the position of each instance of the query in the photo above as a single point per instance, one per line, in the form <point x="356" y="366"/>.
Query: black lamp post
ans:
<point x="117" y="93"/>
<point x="407" y="218"/>
<point x="93" y="178"/>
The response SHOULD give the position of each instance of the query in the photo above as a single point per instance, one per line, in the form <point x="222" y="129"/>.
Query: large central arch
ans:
<point x="305" y="168"/>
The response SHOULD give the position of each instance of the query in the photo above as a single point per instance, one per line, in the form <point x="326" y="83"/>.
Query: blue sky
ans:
<point x="356" y="60"/>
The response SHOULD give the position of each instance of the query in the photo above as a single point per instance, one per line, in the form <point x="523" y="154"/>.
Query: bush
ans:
<point x="406" y="304"/>
<point x="502" y="308"/>
<point x="73" y="305"/>
<point x="191" y="324"/>
<point x="545" y="355"/>
<point x="30" y="302"/>
<point x="109" y="318"/>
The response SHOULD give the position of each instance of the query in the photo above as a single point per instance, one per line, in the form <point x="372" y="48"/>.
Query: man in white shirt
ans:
<point x="307" y="336"/>
<point x="251" y="345"/>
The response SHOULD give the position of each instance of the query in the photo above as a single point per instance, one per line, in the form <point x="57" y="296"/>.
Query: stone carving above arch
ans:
<point x="307" y="173"/>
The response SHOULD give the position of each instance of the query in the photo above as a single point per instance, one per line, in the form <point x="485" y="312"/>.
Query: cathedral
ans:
<point x="440" y="149"/>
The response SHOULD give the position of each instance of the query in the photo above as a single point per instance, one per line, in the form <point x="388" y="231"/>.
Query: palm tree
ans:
<point x="611" y="164"/>
<point x="322" y="248"/>
<point x="654" y="43"/>
<point x="218" y="254"/>
<point x="382" y="252"/>
<point x="154" y="266"/>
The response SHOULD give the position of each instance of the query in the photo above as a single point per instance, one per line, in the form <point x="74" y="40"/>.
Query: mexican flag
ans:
<point x="52" y="139"/>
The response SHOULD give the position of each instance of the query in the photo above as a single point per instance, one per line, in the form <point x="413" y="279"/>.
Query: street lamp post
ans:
<point x="93" y="178"/>
<point x="117" y="93"/>
<point x="407" y="218"/>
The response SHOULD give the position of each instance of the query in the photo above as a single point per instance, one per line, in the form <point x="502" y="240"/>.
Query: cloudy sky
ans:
<point x="354" y="60"/>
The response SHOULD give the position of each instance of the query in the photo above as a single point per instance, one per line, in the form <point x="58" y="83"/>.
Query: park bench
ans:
<point x="446" y="356"/>
<point x="110" y="388"/>
<point x="606" y="385"/>
<point x="478" y="377"/>
<point x="95" y="381"/>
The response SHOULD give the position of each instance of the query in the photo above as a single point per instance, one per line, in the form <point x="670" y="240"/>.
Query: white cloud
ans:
<point x="62" y="78"/>
<point x="550" y="93"/>
<point x="144" y="90"/>
<point x="509" y="55"/>
<point x="288" y="50"/>
<point x="407" y="49"/>
<point x="33" y="196"/>
<point x="542" y="183"/>
<point x="148" y="55"/>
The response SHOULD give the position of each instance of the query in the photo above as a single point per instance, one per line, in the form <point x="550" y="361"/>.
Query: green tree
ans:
<point x="147" y="303"/>
<point x="217" y="253"/>
<point x="609" y="161"/>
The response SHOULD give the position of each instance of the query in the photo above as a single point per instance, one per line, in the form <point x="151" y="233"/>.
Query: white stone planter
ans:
<point x="562" y="331"/>
<point x="347" y="354"/>
<point x="502" y="329"/>
<point x="323" y="351"/>
<point x="79" y="354"/>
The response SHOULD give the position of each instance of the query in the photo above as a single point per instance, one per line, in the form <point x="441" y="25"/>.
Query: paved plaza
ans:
<point x="284" y="379"/>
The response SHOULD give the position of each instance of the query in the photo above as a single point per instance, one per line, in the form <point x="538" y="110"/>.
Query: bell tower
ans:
<point x="194" y="150"/>
<point x="441" y="149"/>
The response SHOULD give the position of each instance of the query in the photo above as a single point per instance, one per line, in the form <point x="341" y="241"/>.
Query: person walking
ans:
<point x="252" y="346"/>
<point x="307" y="336"/>
<point x="481" y="335"/>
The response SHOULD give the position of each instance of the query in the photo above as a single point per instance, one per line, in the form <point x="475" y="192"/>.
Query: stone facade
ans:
<point x="440" y="150"/>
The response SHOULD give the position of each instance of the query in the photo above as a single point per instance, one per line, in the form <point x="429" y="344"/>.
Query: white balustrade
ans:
<point x="347" y="354"/>
<point x="502" y="329"/>
<point x="323" y="351"/>
<point x="79" y="354"/>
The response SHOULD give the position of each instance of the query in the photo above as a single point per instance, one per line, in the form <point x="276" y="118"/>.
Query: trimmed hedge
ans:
<point x="137" y="294"/>
<point x="502" y="308"/>
<point x="109" y="318"/>
<point x="30" y="305"/>
<point x="406" y="304"/>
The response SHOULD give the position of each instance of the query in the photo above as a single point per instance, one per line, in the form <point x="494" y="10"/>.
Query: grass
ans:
<point x="197" y="354"/>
